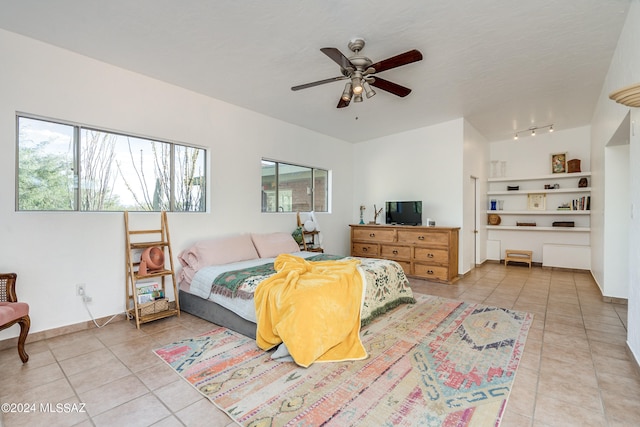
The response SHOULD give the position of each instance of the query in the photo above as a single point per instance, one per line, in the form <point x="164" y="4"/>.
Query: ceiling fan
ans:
<point x="362" y="73"/>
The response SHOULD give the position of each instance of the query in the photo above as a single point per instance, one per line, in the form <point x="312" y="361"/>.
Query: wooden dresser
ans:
<point x="426" y="252"/>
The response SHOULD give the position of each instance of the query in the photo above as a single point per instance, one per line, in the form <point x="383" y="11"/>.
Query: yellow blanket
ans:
<point x="313" y="307"/>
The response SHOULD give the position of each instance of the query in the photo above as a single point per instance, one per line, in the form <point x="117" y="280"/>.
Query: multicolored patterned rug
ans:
<point x="438" y="362"/>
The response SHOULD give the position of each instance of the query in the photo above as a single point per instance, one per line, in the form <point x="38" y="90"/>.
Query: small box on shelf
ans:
<point x="573" y="166"/>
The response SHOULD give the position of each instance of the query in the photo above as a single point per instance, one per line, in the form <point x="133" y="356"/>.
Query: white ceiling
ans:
<point x="504" y="65"/>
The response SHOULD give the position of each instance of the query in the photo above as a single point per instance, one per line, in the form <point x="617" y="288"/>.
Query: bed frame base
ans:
<point x="214" y="313"/>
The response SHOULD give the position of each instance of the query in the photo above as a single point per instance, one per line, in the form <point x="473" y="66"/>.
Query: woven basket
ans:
<point x="153" y="307"/>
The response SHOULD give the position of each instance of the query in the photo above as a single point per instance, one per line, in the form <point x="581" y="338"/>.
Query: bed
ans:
<point x="218" y="277"/>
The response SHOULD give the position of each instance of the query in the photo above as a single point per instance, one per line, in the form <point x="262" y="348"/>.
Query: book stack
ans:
<point x="581" y="204"/>
<point x="148" y="292"/>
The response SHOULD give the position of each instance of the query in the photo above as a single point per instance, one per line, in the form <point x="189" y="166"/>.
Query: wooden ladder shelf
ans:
<point x="136" y="243"/>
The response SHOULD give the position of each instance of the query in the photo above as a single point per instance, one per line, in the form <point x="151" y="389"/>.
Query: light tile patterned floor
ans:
<point x="575" y="369"/>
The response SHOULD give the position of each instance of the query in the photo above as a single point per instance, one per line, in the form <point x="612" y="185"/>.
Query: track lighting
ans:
<point x="533" y="130"/>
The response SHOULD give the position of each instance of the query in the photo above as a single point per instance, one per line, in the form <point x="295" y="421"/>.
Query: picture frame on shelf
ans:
<point x="559" y="163"/>
<point x="537" y="201"/>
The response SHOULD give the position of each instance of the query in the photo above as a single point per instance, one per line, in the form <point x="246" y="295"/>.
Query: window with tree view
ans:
<point x="293" y="188"/>
<point x="67" y="167"/>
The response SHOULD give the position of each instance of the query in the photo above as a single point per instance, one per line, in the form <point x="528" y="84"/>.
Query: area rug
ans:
<point x="438" y="362"/>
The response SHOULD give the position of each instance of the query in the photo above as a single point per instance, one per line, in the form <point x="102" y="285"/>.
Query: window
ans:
<point x="293" y="188"/>
<point x="67" y="167"/>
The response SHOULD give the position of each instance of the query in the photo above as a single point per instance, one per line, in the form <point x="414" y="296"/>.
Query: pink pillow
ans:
<point x="224" y="250"/>
<point x="273" y="244"/>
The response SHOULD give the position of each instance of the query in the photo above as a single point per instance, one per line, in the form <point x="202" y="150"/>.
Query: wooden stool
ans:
<point x="514" y="255"/>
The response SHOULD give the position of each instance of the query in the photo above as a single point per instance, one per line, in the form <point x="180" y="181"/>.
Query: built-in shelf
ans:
<point x="539" y="191"/>
<point x="563" y="212"/>
<point x="541" y="177"/>
<point x="536" y="228"/>
<point x="554" y="197"/>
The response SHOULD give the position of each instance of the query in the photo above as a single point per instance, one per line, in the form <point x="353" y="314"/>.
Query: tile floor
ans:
<point x="575" y="370"/>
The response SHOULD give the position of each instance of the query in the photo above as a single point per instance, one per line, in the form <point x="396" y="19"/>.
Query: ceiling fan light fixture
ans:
<point x="359" y="71"/>
<point x="346" y="93"/>
<point x="368" y="90"/>
<point x="356" y="83"/>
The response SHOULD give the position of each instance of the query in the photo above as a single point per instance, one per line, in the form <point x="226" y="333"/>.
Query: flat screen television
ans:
<point x="407" y="213"/>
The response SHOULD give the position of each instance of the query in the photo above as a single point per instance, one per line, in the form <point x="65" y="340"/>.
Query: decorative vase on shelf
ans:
<point x="494" y="169"/>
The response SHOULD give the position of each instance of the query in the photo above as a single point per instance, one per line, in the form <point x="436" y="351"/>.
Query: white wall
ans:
<point x="52" y="251"/>
<point x="623" y="71"/>
<point x="422" y="164"/>
<point x="531" y="156"/>
<point x="476" y="158"/>
<point x="617" y="219"/>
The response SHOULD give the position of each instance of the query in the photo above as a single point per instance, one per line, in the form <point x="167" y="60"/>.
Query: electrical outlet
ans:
<point x="80" y="290"/>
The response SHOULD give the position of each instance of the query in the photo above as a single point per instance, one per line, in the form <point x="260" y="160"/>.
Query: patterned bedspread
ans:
<point x="386" y="284"/>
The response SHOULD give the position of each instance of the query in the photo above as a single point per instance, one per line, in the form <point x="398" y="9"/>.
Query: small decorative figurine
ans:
<point x="376" y="212"/>
<point x="362" y="209"/>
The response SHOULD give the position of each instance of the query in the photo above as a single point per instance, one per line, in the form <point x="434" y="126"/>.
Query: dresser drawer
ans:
<point x="436" y="256"/>
<point x="373" y="235"/>
<point x="393" y="252"/>
<point x="433" y="272"/>
<point x="440" y="238"/>
<point x="364" y="249"/>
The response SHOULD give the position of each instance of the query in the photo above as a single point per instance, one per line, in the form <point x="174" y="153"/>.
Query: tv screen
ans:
<point x="407" y="213"/>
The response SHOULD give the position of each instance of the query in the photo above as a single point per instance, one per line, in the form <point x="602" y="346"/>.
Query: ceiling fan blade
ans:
<point x="397" y="61"/>
<point x="342" y="103"/>
<point x="318" y="83"/>
<point x="391" y="87"/>
<point x="338" y="57"/>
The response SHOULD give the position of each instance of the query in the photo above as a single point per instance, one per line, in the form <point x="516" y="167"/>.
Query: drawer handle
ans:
<point x="395" y="252"/>
<point x="372" y="234"/>
<point x="429" y="255"/>
<point x="420" y="237"/>
<point x="365" y="249"/>
<point x="429" y="271"/>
